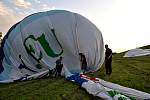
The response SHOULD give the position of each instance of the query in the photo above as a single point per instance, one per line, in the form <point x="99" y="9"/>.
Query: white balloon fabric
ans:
<point x="35" y="43"/>
<point x="137" y="52"/>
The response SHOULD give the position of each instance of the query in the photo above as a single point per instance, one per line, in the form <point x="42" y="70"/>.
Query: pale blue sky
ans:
<point x="124" y="23"/>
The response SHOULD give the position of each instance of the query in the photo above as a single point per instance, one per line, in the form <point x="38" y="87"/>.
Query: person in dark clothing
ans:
<point x="108" y="60"/>
<point x="59" y="66"/>
<point x="0" y="38"/>
<point x="83" y="62"/>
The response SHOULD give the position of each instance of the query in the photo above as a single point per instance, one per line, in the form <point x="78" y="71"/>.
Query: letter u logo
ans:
<point x="36" y="54"/>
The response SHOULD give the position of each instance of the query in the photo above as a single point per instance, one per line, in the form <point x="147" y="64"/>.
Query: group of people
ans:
<point x="59" y="64"/>
<point x="108" y="61"/>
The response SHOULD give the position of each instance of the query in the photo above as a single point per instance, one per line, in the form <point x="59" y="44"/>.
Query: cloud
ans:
<point x="8" y="17"/>
<point x="4" y="10"/>
<point x="46" y="7"/>
<point x="38" y="5"/>
<point x="37" y="1"/>
<point x="22" y="3"/>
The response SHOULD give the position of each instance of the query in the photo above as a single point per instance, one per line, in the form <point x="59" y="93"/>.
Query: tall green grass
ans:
<point x="129" y="72"/>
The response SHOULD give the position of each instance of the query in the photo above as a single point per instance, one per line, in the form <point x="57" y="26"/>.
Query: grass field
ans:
<point x="129" y="72"/>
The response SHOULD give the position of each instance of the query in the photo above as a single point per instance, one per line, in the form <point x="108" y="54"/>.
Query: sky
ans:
<point x="124" y="23"/>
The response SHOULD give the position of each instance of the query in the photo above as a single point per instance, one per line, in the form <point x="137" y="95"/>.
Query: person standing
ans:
<point x="59" y="66"/>
<point x="83" y="62"/>
<point x="108" y="60"/>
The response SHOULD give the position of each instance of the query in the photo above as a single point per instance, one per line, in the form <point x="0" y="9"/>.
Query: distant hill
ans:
<point x="145" y="47"/>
